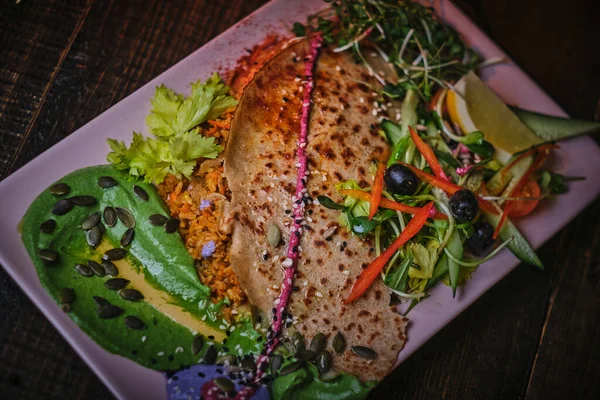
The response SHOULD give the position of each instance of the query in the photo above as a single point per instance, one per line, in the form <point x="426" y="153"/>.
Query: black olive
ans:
<point x="481" y="241"/>
<point x="400" y="180"/>
<point x="463" y="205"/>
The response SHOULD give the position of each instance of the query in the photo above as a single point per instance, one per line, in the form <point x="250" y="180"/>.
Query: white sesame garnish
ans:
<point x="297" y="79"/>
<point x="288" y="262"/>
<point x="269" y="198"/>
<point x="319" y="294"/>
<point x="277" y="301"/>
<point x="234" y="312"/>
<point x="144" y="339"/>
<point x="374" y="112"/>
<point x="222" y="327"/>
<point x="305" y="283"/>
<point x="362" y="99"/>
<point x="342" y="107"/>
<point x="346" y="272"/>
<point x="179" y="350"/>
<point x="160" y="353"/>
<point x="338" y="68"/>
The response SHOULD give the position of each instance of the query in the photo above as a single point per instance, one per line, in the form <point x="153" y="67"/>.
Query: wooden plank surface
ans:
<point x="536" y="335"/>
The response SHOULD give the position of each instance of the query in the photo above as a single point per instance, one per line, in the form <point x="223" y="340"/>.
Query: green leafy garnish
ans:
<point x="174" y="120"/>
<point x="328" y="203"/>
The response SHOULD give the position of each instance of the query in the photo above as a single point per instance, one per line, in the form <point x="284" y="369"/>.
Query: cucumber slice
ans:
<point x="519" y="246"/>
<point x="552" y="128"/>
<point x="393" y="132"/>
<point x="506" y="179"/>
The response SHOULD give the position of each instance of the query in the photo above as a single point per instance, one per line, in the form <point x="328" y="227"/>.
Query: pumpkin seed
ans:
<point x="324" y="361"/>
<point x="127" y="237"/>
<point x="364" y="352"/>
<point x="62" y="207"/>
<point x="96" y="268"/>
<point x="116" y="283"/>
<point x="48" y="255"/>
<point x="292" y="367"/>
<point x="91" y="221"/>
<point x="102" y="227"/>
<point x="106" y="182"/>
<point x="110" y="268"/>
<point x="126" y="217"/>
<point x="100" y="301"/>
<point x="171" y="225"/>
<point x="131" y="294"/>
<point x="318" y="343"/>
<point x="114" y="254"/>
<point x="273" y="235"/>
<point x="339" y="343"/>
<point x="224" y="384"/>
<point x="248" y="364"/>
<point x="109" y="311"/>
<point x="305" y="355"/>
<point x="227" y="359"/>
<point x="276" y="363"/>
<point x="298" y="342"/>
<point x="110" y="216"/>
<point x="84" y="270"/>
<point x="140" y="193"/>
<point x="66" y="295"/>
<point x="197" y="344"/>
<point x="211" y="355"/>
<point x="158" y="219"/>
<point x="60" y="189"/>
<point x="83" y="200"/>
<point x="134" y="323"/>
<point x="94" y="236"/>
<point x="48" y="226"/>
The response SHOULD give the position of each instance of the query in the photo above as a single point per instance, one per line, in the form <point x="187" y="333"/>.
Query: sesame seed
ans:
<point x="346" y="272"/>
<point x="160" y="353"/>
<point x="362" y="99"/>
<point x="269" y="198"/>
<point x="179" y="350"/>
<point x="319" y="294"/>
<point x="288" y="262"/>
<point x="374" y="112"/>
<point x="144" y="339"/>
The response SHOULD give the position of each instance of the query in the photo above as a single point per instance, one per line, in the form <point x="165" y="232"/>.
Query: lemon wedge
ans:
<point x="477" y="108"/>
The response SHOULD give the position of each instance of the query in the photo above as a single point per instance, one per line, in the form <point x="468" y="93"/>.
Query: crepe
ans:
<point x="260" y="165"/>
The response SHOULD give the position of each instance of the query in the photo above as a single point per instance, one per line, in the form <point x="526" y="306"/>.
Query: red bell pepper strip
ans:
<point x="392" y="205"/>
<point x="527" y="153"/>
<point x="375" y="197"/>
<point x="428" y="154"/>
<point x="536" y="164"/>
<point x="448" y="187"/>
<point x="368" y="276"/>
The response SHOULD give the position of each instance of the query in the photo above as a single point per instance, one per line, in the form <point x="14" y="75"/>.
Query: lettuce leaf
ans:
<point x="173" y="115"/>
<point x="178" y="143"/>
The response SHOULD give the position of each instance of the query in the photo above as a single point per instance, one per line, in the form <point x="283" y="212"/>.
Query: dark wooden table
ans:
<point x="536" y="335"/>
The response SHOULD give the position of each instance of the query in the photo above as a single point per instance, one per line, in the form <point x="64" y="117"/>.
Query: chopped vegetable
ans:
<point x="178" y="143"/>
<point x="368" y="276"/>
<point x="377" y="187"/>
<point x="392" y="205"/>
<point x="531" y="192"/>
<point x="428" y="154"/>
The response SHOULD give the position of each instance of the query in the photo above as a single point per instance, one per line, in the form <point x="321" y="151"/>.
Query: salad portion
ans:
<point x="455" y="150"/>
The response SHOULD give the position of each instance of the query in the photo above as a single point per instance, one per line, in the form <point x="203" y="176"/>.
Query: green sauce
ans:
<point x="161" y="260"/>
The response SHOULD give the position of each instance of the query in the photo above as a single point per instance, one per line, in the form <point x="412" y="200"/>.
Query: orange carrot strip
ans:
<point x="428" y="154"/>
<point x="448" y="187"/>
<point x="392" y="205"/>
<point x="368" y="276"/>
<point x="377" y="188"/>
<point x="528" y="153"/>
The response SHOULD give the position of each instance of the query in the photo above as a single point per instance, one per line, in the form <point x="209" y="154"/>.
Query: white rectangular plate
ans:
<point x="87" y="146"/>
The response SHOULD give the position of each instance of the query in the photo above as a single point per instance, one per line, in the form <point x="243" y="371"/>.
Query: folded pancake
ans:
<point x="260" y="165"/>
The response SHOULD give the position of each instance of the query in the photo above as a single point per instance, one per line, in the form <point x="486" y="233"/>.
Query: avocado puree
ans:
<point x="176" y="305"/>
